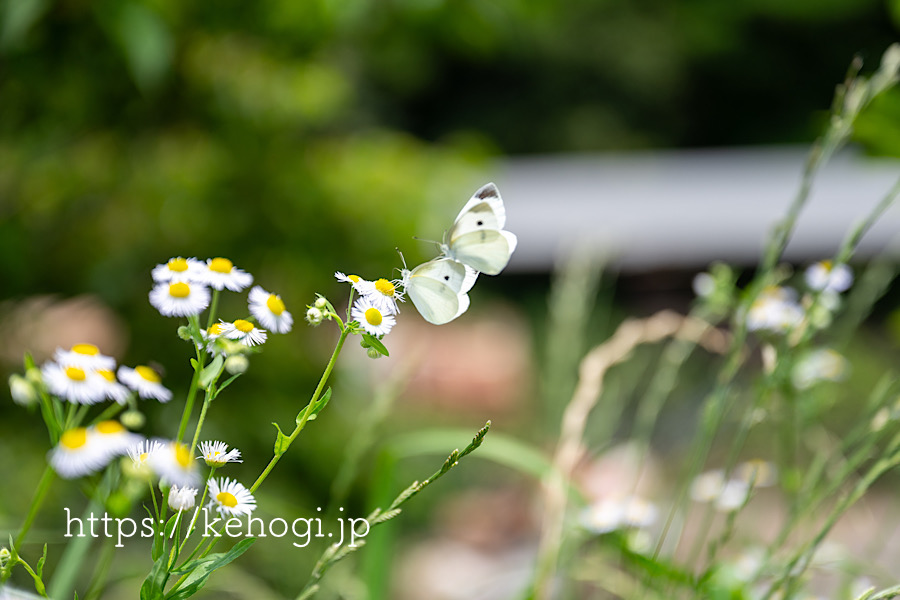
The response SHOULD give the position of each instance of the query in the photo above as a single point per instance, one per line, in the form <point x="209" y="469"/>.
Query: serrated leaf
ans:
<point x="282" y="442"/>
<point x="387" y="516"/>
<point x="211" y="372"/>
<point x="309" y="593"/>
<point x="374" y="342"/>
<point x="200" y="574"/>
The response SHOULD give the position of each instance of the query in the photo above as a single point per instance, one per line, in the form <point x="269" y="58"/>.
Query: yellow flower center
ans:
<point x="179" y="289"/>
<point x="827" y="265"/>
<point x="147" y="373"/>
<point x="226" y="499"/>
<point x="182" y="455"/>
<point x="354" y="278"/>
<point x="178" y="264"/>
<point x="275" y="304"/>
<point x="86" y="349"/>
<point x="385" y="287"/>
<point x="221" y="265"/>
<point x="109" y="427"/>
<point x="107" y="375"/>
<point x="215" y="329"/>
<point x="244" y="326"/>
<point x="74" y="439"/>
<point x="373" y="316"/>
<point x="75" y="374"/>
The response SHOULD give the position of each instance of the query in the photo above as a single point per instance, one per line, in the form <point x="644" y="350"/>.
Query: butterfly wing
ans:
<point x="485" y="251"/>
<point x="438" y="289"/>
<point x="477" y="238"/>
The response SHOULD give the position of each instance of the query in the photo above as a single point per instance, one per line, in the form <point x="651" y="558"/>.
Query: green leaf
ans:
<point x="17" y="18"/>
<point x="211" y="371"/>
<point x="39" y="569"/>
<point x="226" y="384"/>
<point x="204" y="568"/>
<point x="374" y="342"/>
<point x="322" y="402"/>
<point x="155" y="584"/>
<point x="159" y="541"/>
<point x="282" y="442"/>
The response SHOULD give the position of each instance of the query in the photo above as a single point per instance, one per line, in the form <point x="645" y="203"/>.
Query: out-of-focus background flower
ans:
<point x="300" y="138"/>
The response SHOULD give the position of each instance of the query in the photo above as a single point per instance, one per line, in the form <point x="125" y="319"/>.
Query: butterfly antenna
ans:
<point x="402" y="259"/>
<point x="418" y="239"/>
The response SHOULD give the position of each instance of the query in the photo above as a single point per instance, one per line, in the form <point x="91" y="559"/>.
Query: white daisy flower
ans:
<point x="775" y="309"/>
<point x="178" y="268"/>
<point x="210" y="336"/>
<point x="220" y="273"/>
<point x="216" y="454"/>
<point x="383" y="294"/>
<point x="178" y="298"/>
<point x="759" y="473"/>
<point x="269" y="310"/>
<point x="617" y="513"/>
<point x="707" y="486"/>
<point x="112" y="389"/>
<point x="8" y="592"/>
<point x="145" y="381"/>
<point x="725" y="495"/>
<point x="244" y="332"/>
<point x="819" y="365"/>
<point x="140" y="453"/>
<point x="86" y="356"/>
<point x="733" y="496"/>
<point x="182" y="498"/>
<point x="359" y="284"/>
<point x="230" y="498"/>
<point x="78" y="453"/>
<point x="174" y="465"/>
<point x="376" y="322"/>
<point x="113" y="438"/>
<point x="75" y="384"/>
<point x="825" y="275"/>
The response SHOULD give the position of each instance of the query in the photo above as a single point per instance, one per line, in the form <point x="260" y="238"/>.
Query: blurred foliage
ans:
<point x="297" y="138"/>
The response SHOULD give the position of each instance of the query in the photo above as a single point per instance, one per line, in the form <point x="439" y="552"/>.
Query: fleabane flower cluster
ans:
<point x="376" y="306"/>
<point x="83" y="375"/>
<point x="185" y="287"/>
<point x="775" y="310"/>
<point x="85" y="450"/>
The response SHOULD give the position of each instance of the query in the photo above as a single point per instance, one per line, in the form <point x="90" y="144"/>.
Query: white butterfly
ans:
<point x="476" y="243"/>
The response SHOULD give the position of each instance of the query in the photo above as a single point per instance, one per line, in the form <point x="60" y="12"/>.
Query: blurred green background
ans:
<point x="300" y="138"/>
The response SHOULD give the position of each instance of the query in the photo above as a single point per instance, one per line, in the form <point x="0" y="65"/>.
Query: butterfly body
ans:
<point x="475" y="243"/>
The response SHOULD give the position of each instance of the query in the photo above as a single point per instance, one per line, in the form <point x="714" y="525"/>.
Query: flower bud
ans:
<point x="22" y="390"/>
<point x="314" y="316"/>
<point x="373" y="353"/>
<point x="184" y="332"/>
<point x="5" y="555"/>
<point x="34" y="376"/>
<point x="181" y="498"/>
<point x="236" y="364"/>
<point x="321" y="302"/>
<point x="133" y="419"/>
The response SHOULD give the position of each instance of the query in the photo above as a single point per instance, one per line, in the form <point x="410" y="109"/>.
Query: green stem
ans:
<point x="304" y="417"/>
<point x="301" y="421"/>
<point x="39" y="495"/>
<point x="206" y="402"/>
<point x="213" y="308"/>
<point x="111" y="411"/>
